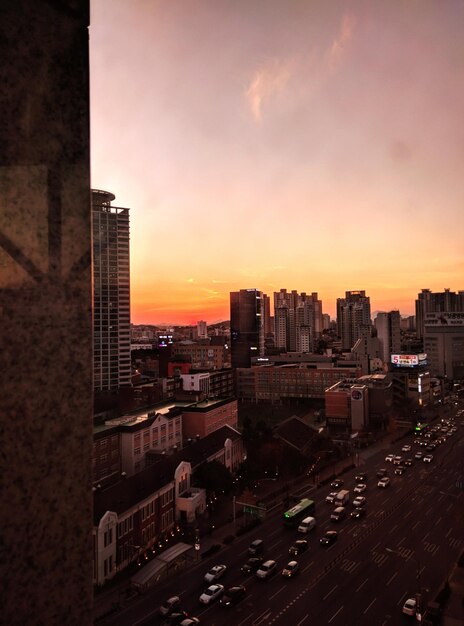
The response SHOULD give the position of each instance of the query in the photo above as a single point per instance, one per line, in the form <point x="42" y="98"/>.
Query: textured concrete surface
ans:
<point x="45" y="314"/>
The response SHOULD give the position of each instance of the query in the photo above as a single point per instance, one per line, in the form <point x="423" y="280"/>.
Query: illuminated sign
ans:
<point x="405" y="360"/>
<point x="356" y="394"/>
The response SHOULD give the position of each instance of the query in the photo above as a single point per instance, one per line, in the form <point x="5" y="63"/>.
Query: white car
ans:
<point x="170" y="605"/>
<point x="331" y="497"/>
<point x="397" y="460"/>
<point x="215" y="573"/>
<point x="267" y="569"/>
<point x="384" y="482"/>
<point x="409" y="607"/>
<point x="406" y="448"/>
<point x="428" y="458"/>
<point x="213" y="593"/>
<point x="360" y="488"/>
<point x="359" y="501"/>
<point x="390" y="458"/>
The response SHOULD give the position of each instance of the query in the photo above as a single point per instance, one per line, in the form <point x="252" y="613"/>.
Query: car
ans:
<point x="169" y="605"/>
<point x="267" y="569"/>
<point x="331" y="497"/>
<point x="328" y="538"/>
<point x="382" y="472"/>
<point x="409" y="607"/>
<point x="361" y="477"/>
<point x="215" y="573"/>
<point x="298" y="547"/>
<point x="360" y="488"/>
<point x="338" y="514"/>
<point x="256" y="547"/>
<point x="190" y="621"/>
<point x="359" y="501"/>
<point x="399" y="471"/>
<point x="397" y="460"/>
<point x="406" y="448"/>
<point x="175" y="619"/>
<point x="390" y="458"/>
<point x="213" y="593"/>
<point x="430" y="448"/>
<point x="291" y="569"/>
<point x="418" y="455"/>
<point x="252" y="565"/>
<point x="233" y="595"/>
<point x="335" y="484"/>
<point x="384" y="482"/>
<point x="408" y="462"/>
<point x="428" y="458"/>
<point x="360" y="511"/>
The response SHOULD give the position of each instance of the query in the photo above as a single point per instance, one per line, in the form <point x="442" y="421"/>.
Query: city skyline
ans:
<point x="268" y="146"/>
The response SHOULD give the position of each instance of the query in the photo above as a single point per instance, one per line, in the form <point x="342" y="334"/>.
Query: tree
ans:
<point x="214" y="477"/>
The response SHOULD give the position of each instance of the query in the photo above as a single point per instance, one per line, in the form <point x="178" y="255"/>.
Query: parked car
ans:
<point x="328" y="538"/>
<point x="267" y="569"/>
<point x="169" y="605"/>
<point x="360" y="488"/>
<point x="215" y="573"/>
<point x="213" y="593"/>
<point x="190" y="621"/>
<point x="384" y="482"/>
<point x="291" y="569"/>
<point x="298" y="547"/>
<point x="233" y="595"/>
<point x="175" y="619"/>
<point x="252" y="565"/>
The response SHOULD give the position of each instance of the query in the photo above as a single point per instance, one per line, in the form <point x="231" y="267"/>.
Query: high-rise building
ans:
<point x="297" y="320"/>
<point x="388" y="333"/>
<point x="353" y="311"/>
<point x="444" y="344"/>
<point x="436" y="302"/>
<point x="111" y="294"/>
<point x="246" y="326"/>
<point x="202" y="330"/>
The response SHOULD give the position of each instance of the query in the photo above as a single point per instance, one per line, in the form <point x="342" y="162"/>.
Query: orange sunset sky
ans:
<point x="307" y="145"/>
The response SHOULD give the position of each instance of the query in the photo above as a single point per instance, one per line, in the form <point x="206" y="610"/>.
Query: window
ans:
<point x="108" y="537"/>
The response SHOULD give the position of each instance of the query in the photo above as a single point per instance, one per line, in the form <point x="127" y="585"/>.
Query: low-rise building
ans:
<point x="207" y="416"/>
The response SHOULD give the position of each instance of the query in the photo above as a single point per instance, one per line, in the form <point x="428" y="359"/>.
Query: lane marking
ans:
<point x="276" y="593"/>
<point x="364" y="612"/>
<point x="304" y="618"/>
<point x="361" y="585"/>
<point x="335" y="614"/>
<point x="328" y="594"/>
<point x="395" y="574"/>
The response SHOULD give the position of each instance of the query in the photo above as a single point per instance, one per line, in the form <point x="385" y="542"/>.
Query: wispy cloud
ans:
<point x="339" y="45"/>
<point x="267" y="81"/>
<point x="218" y="282"/>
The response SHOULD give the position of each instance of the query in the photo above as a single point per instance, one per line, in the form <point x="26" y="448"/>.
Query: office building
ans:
<point x="353" y="311"/>
<point x="246" y="326"/>
<point x="436" y="302"/>
<point x="388" y="333"/>
<point x="111" y="295"/>
<point x="444" y="344"/>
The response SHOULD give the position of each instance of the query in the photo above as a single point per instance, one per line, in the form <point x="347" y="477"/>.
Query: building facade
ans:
<point x="353" y="312"/>
<point x="388" y="333"/>
<point x="446" y="301"/>
<point x="111" y="294"/>
<point x="205" y="417"/>
<point x="444" y="344"/>
<point x="246" y="326"/>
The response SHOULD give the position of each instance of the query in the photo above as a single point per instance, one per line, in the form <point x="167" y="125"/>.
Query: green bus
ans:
<point x="303" y="509"/>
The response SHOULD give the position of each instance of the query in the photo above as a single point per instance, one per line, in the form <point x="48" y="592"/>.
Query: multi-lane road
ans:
<point x="409" y="539"/>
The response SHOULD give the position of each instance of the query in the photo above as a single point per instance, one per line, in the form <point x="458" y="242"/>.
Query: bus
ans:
<point x="293" y="516"/>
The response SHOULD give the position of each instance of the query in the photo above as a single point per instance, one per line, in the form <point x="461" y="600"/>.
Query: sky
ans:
<point x="308" y="145"/>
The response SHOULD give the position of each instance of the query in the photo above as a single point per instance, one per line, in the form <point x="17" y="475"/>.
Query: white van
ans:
<point x="306" y="525"/>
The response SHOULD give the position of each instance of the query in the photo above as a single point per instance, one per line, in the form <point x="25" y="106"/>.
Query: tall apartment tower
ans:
<point x="202" y="329"/>
<point x="246" y="326"/>
<point x="297" y="320"/>
<point x="111" y="294"/>
<point x="436" y="302"/>
<point x="353" y="311"/>
<point x="388" y="333"/>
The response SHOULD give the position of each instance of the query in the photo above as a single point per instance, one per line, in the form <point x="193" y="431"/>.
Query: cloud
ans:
<point x="339" y="45"/>
<point x="218" y="282"/>
<point x="190" y="280"/>
<point x="267" y="82"/>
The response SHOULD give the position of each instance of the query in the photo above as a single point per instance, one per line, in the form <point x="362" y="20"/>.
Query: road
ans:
<point x="406" y="543"/>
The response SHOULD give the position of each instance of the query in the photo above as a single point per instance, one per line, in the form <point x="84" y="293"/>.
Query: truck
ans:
<point x="343" y="497"/>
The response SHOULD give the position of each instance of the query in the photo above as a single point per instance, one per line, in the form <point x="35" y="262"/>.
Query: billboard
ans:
<point x="444" y="319"/>
<point x="409" y="360"/>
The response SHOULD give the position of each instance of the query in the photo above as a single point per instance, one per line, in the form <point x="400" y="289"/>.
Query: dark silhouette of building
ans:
<point x="246" y="326"/>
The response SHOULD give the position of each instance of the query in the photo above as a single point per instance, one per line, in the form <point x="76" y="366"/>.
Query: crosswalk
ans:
<point x="379" y="557"/>
<point x="455" y="543"/>
<point x="349" y="566"/>
<point x="431" y="547"/>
